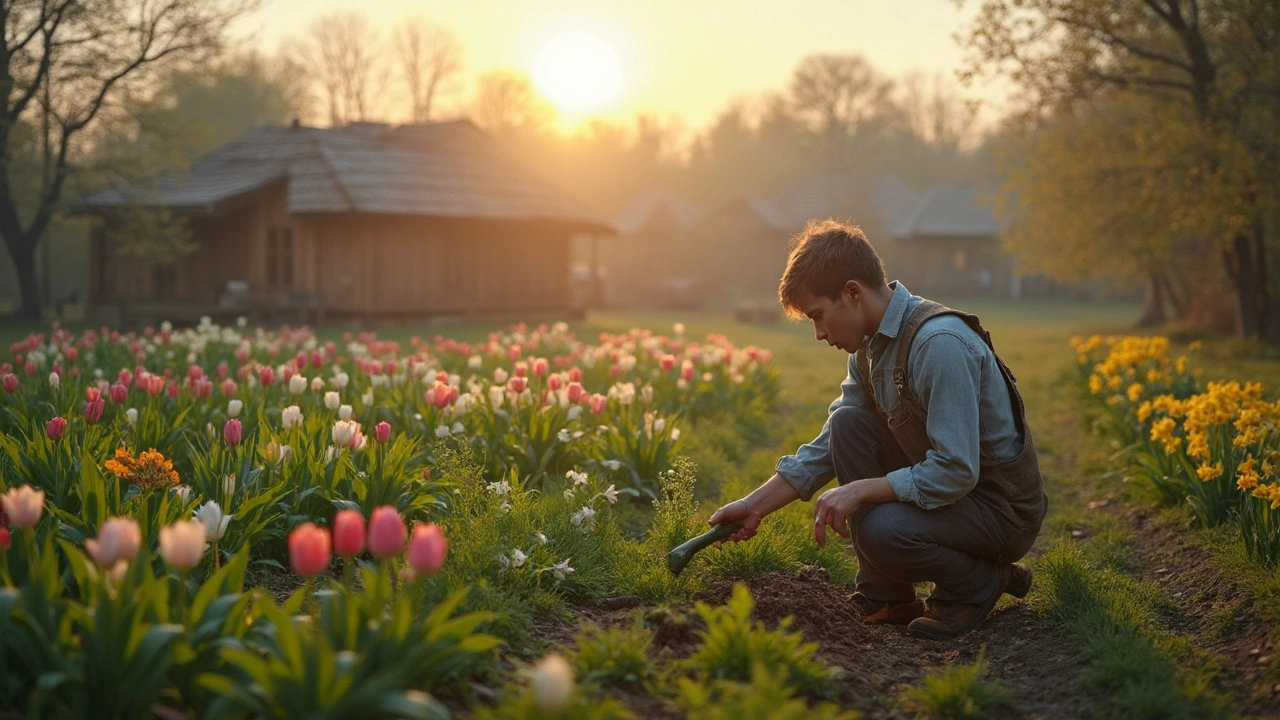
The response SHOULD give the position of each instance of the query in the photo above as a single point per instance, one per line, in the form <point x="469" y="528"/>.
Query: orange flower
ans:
<point x="149" y="471"/>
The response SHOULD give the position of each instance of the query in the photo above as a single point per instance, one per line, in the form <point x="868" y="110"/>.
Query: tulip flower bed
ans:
<point x="1214" y="447"/>
<point x="411" y="508"/>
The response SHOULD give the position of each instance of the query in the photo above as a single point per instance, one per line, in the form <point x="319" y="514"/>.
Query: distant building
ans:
<point x="642" y="264"/>
<point x="367" y="220"/>
<point x="740" y="249"/>
<point x="947" y="246"/>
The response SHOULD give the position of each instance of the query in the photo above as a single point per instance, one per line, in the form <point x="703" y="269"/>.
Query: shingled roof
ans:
<point x="950" y="212"/>
<point x="449" y="169"/>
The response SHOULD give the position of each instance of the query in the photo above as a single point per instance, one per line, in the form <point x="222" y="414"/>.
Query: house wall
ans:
<point x="737" y="254"/>
<point x="953" y="265"/>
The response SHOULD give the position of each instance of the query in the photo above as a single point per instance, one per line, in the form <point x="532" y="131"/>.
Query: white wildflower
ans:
<point x="561" y="570"/>
<point x="611" y="495"/>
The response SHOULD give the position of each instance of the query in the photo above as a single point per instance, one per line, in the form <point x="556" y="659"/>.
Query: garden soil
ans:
<point x="878" y="662"/>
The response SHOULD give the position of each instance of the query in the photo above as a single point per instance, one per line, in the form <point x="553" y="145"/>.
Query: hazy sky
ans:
<point x="689" y="57"/>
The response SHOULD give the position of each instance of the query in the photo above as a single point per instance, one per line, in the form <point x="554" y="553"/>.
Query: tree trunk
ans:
<point x="1153" y="304"/>
<point x="1240" y="267"/>
<point x="24" y="266"/>
<point x="1175" y="290"/>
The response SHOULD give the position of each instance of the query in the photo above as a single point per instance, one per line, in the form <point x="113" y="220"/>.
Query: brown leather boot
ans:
<point x="874" y="612"/>
<point x="1019" y="580"/>
<point x="943" y="620"/>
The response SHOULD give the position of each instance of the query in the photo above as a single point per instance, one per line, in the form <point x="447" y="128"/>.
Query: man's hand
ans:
<point x="835" y="506"/>
<point x="743" y="512"/>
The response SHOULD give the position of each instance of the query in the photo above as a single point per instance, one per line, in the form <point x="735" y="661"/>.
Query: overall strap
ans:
<point x="862" y="360"/>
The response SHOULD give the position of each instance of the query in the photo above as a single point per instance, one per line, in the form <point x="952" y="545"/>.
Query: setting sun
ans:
<point x="577" y="71"/>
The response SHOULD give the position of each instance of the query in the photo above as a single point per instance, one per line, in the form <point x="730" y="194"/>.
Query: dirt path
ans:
<point x="879" y="662"/>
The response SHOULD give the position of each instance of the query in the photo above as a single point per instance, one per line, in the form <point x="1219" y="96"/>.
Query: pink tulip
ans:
<point x="554" y="383"/>
<point x="93" y="411"/>
<point x="118" y="539"/>
<point x="92" y="393"/>
<point x="24" y="506"/>
<point x="72" y="354"/>
<point x="540" y="367"/>
<point x="518" y="384"/>
<point x="575" y="392"/>
<point x="30" y="367"/>
<point x="124" y="377"/>
<point x="10" y="383"/>
<point x="56" y="428"/>
<point x="309" y="550"/>
<point x="686" y="372"/>
<point x="667" y="362"/>
<point x="173" y="388"/>
<point x="427" y="548"/>
<point x="232" y="432"/>
<point x="229" y="387"/>
<point x="119" y="393"/>
<point x="386" y="532"/>
<point x="513" y="353"/>
<point x="598" y="403"/>
<point x="348" y="533"/>
<point x="382" y="432"/>
<point x="222" y="370"/>
<point x="439" y="394"/>
<point x="266" y="376"/>
<point x="575" y="375"/>
<point x="521" y="369"/>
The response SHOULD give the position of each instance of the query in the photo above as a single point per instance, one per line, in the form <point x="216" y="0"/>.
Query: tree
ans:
<point x="935" y="112"/>
<point x="62" y="64"/>
<point x="506" y="103"/>
<point x="349" y="69"/>
<point x="838" y="95"/>
<point x="430" y="58"/>
<point x="1212" y="69"/>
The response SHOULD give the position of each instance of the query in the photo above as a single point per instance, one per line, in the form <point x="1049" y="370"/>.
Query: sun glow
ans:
<point x="577" y="71"/>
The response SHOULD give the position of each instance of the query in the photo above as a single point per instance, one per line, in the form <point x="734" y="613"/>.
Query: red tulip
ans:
<point x="386" y="532"/>
<point x="93" y="411"/>
<point x="266" y="376"/>
<point x="518" y="384"/>
<point x="92" y="393"/>
<point x="427" y="548"/>
<point x="309" y="550"/>
<point x="55" y="428"/>
<point x="10" y="383"/>
<point x="575" y="392"/>
<point x="348" y="533"/>
<point x="382" y="432"/>
<point x="119" y="393"/>
<point x="4" y="538"/>
<point x="232" y="432"/>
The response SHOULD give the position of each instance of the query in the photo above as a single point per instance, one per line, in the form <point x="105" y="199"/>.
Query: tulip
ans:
<point x="552" y="683"/>
<point x="182" y="544"/>
<point x="382" y="432"/>
<point x="386" y="532"/>
<point x="291" y="417"/>
<point x="56" y="428"/>
<point x="119" y="539"/>
<point x="598" y="403"/>
<point x="317" y="384"/>
<point x="427" y="548"/>
<point x="309" y="550"/>
<point x="348" y="533"/>
<point x="215" y="522"/>
<point x="55" y="380"/>
<point x="266" y="376"/>
<point x="574" y="392"/>
<point x="234" y="407"/>
<point x="229" y="387"/>
<point x="297" y="385"/>
<point x="342" y="433"/>
<point x="331" y="400"/>
<point x="93" y="411"/>
<point x="4" y="538"/>
<point x="518" y="384"/>
<point x="540" y="367"/>
<point x="232" y="432"/>
<point x="132" y="416"/>
<point x="10" y="383"/>
<point x="119" y="393"/>
<point x="23" y="505"/>
<point x="575" y="375"/>
<point x="344" y="412"/>
<point x="91" y="394"/>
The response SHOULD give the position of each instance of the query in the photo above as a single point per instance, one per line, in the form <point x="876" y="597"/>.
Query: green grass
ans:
<point x="959" y="692"/>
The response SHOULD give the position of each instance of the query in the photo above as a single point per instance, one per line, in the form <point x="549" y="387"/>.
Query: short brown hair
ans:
<point x="823" y="258"/>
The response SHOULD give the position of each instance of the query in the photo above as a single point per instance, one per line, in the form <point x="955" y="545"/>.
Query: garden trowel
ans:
<point x="678" y="558"/>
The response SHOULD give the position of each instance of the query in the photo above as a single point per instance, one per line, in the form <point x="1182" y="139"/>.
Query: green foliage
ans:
<point x="732" y="644"/>
<point x="767" y="696"/>
<point x="615" y="656"/>
<point x="960" y="691"/>
<point x="1113" y="618"/>
<point x="641" y="568"/>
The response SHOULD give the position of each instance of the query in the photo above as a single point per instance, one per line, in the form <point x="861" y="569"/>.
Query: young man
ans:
<point x="938" y="478"/>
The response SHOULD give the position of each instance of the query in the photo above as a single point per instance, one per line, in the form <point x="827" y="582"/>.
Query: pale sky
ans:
<point x="689" y="58"/>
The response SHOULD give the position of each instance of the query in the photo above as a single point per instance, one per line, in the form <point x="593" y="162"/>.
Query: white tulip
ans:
<point x="54" y="380"/>
<point x="215" y="523"/>
<point x="132" y="416"/>
<point x="234" y="407"/>
<point x="341" y="380"/>
<point x="342" y="433"/>
<point x="182" y="544"/>
<point x="331" y="400"/>
<point x="552" y="683"/>
<point x="297" y="384"/>
<point x="291" y="417"/>
<point x="317" y="384"/>
<point x="344" y="413"/>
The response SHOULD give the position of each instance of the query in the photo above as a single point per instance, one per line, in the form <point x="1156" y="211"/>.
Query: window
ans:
<point x="280" y="257"/>
<point x="960" y="260"/>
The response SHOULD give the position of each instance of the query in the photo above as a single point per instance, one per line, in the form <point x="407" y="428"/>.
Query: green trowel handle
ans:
<point x="678" y="558"/>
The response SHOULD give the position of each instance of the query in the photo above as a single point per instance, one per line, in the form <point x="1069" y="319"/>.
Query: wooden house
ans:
<point x="366" y="220"/>
<point x="947" y="246"/>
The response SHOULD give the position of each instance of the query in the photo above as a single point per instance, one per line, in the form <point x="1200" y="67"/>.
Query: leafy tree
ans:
<point x="62" y="63"/>
<point x="1211" y="73"/>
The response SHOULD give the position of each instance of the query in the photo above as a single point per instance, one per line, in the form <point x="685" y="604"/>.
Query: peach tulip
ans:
<point x="182" y="544"/>
<point x="309" y="552"/>
<point x="427" y="548"/>
<point x="23" y="505"/>
<point x="118" y="539"/>
<point x="386" y="532"/>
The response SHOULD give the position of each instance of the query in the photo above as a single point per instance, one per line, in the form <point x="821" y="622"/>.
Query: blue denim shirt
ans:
<point x="955" y="376"/>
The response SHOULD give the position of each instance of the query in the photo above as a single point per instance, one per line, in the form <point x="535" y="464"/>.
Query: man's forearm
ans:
<point x="775" y="494"/>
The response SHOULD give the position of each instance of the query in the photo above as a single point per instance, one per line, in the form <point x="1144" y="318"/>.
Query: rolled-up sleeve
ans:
<point x="811" y="466"/>
<point x="946" y="376"/>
